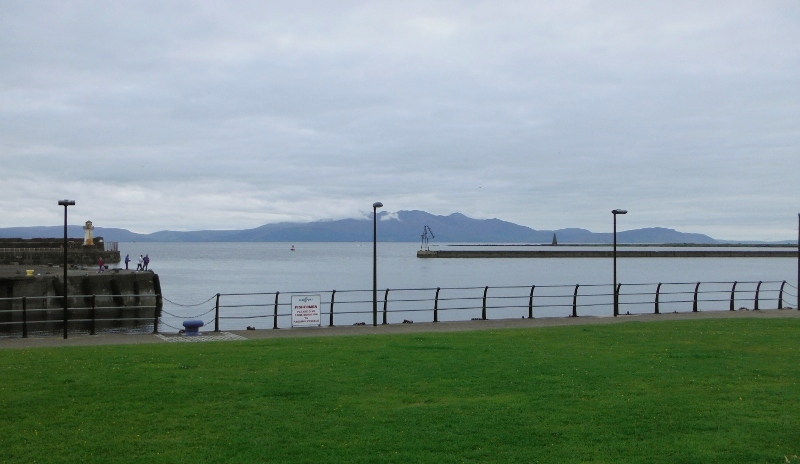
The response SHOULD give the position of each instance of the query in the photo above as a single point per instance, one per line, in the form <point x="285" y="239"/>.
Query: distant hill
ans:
<point x="73" y="231"/>
<point x="403" y="226"/>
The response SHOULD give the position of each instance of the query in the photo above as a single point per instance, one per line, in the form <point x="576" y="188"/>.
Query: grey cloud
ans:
<point x="547" y="115"/>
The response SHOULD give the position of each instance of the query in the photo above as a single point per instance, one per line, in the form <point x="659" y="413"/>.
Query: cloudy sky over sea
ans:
<point x="229" y="115"/>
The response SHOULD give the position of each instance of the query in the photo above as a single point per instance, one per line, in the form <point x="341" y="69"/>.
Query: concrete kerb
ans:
<point x="425" y="327"/>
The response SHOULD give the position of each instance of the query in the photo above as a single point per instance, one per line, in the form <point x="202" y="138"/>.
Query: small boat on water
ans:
<point x="292" y="248"/>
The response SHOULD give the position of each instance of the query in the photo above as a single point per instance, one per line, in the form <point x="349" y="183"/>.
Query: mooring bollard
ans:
<point x="192" y="326"/>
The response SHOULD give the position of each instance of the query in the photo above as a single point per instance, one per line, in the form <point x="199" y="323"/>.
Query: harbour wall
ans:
<point x="125" y="301"/>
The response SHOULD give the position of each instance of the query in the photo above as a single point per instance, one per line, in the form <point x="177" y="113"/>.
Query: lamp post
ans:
<point x="616" y="295"/>
<point x="65" y="203"/>
<point x="375" y="207"/>
<point x="798" y="262"/>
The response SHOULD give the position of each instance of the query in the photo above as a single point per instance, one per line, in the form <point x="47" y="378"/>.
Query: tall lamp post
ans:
<point x="375" y="207"/>
<point x="65" y="203"/>
<point x="616" y="294"/>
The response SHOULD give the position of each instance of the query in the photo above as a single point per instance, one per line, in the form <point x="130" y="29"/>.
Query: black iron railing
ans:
<point x="87" y="314"/>
<point x="232" y="311"/>
<point x="91" y="314"/>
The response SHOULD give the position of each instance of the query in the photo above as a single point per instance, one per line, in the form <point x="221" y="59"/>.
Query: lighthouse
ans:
<point x="88" y="239"/>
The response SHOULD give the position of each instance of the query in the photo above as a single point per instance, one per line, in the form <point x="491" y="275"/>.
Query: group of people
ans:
<point x="144" y="261"/>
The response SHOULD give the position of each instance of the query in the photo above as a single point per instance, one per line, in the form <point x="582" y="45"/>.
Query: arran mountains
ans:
<point x="403" y="226"/>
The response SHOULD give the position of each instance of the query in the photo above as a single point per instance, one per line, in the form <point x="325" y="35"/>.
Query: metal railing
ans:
<point x="87" y="314"/>
<point x="435" y="304"/>
<point x="141" y="313"/>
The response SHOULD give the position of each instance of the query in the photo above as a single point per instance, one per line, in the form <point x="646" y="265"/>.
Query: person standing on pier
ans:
<point x="140" y="263"/>
<point x="101" y="265"/>
<point x="127" y="260"/>
<point x="146" y="262"/>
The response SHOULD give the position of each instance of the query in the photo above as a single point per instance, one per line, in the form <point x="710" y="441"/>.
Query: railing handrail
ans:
<point x="487" y="299"/>
<point x="86" y="296"/>
<point x="500" y="298"/>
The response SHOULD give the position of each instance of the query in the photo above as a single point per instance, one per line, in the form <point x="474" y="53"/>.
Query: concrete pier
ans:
<point x="684" y="253"/>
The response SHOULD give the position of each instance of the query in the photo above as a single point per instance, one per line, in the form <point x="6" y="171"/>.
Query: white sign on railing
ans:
<point x="305" y="311"/>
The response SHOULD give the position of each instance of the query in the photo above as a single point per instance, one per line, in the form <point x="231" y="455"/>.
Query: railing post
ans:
<point x="155" y="317"/>
<point x="333" y="295"/>
<point x="733" y="296"/>
<point x="658" y="293"/>
<point x="385" y="299"/>
<point x="694" y="304"/>
<point x="24" y="318"/>
<point x="66" y="308"/>
<point x="436" y="305"/>
<point x="780" y="296"/>
<point x="275" y="312"/>
<point x="616" y="299"/>
<point x="758" y="289"/>
<point x="216" y="314"/>
<point x="575" y="302"/>
<point x="483" y="311"/>
<point x="530" y="303"/>
<point x="94" y="314"/>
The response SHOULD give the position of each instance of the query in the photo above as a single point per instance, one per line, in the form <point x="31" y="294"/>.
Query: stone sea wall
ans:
<point x="111" y="301"/>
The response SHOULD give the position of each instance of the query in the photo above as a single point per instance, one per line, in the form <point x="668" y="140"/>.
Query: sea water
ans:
<point x="193" y="273"/>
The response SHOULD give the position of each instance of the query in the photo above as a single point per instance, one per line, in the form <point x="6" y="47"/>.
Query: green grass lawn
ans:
<point x="686" y="391"/>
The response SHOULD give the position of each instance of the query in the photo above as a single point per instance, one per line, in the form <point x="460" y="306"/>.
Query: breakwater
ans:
<point x="728" y="253"/>
<point x="124" y="301"/>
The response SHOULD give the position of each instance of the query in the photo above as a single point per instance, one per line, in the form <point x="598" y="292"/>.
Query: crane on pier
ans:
<point x="425" y="231"/>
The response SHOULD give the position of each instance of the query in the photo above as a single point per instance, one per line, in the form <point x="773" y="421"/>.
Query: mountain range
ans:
<point x="402" y="226"/>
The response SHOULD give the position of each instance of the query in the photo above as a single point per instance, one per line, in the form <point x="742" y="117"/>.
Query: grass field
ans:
<point x="685" y="391"/>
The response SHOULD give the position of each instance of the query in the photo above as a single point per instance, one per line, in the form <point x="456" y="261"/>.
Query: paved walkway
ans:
<point x="430" y="327"/>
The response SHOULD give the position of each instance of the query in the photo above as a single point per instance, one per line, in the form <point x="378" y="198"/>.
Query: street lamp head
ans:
<point x="377" y="204"/>
<point x="66" y="202"/>
<point x="619" y="211"/>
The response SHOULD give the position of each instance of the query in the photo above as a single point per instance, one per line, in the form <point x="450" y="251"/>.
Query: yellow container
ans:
<point x="29" y="272"/>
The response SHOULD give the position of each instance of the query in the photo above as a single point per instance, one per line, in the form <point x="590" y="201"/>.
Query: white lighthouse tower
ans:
<point x="88" y="239"/>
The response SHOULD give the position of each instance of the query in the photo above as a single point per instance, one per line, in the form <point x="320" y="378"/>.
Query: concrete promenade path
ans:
<point x="426" y="327"/>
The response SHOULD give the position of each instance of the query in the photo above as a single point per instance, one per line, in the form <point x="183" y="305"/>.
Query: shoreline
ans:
<point x="423" y="327"/>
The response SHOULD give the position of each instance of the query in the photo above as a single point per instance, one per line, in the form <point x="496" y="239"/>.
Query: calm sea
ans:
<point x="191" y="273"/>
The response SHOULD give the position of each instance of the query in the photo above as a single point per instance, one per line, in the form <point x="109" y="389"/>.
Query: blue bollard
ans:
<point x="192" y="326"/>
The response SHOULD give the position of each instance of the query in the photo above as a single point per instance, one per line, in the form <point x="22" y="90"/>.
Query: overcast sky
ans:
<point x="157" y="115"/>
